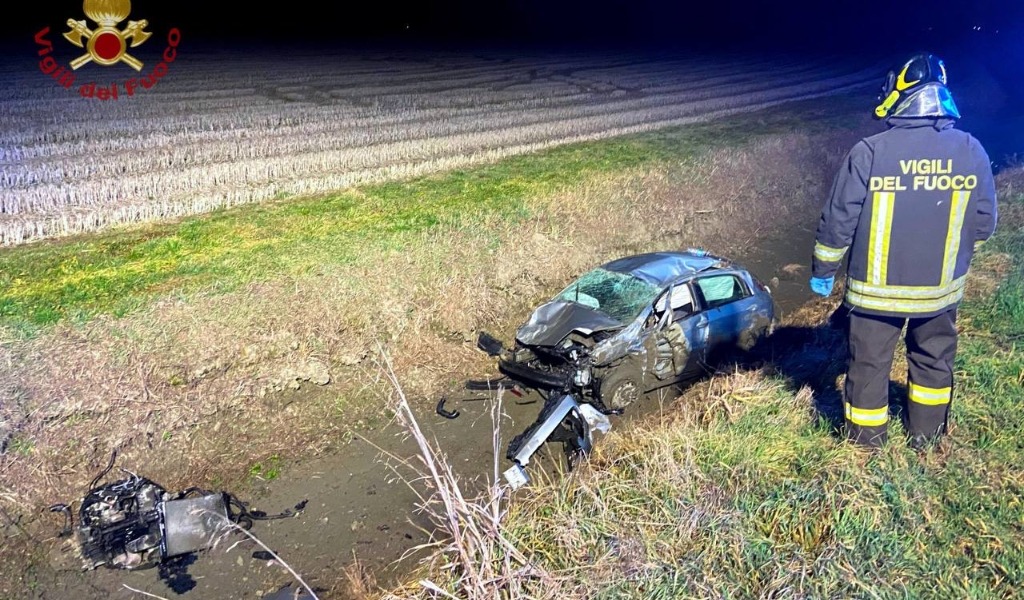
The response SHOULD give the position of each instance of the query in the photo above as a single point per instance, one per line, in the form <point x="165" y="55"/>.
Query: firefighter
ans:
<point x="909" y="206"/>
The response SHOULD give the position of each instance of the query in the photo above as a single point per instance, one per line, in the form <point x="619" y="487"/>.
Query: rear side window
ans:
<point x="721" y="289"/>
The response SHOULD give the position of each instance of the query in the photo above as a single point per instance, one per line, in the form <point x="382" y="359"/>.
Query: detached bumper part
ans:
<point x="491" y="345"/>
<point x="595" y="419"/>
<point x="549" y="428"/>
<point x="534" y="377"/>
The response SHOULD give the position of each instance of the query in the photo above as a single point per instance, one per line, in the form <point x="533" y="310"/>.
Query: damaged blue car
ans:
<point x="628" y="327"/>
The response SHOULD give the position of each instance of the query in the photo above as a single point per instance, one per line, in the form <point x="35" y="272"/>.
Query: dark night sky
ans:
<point x="796" y="24"/>
<point x="720" y="23"/>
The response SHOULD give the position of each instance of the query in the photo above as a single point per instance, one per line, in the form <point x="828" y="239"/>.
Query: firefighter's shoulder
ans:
<point x="868" y="145"/>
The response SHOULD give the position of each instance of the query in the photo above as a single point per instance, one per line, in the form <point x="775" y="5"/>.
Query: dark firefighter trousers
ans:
<point x="931" y="348"/>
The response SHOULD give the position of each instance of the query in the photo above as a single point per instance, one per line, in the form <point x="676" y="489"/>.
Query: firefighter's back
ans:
<point x="915" y="237"/>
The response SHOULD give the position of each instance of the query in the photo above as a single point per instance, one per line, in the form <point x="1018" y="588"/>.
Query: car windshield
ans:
<point x="618" y="295"/>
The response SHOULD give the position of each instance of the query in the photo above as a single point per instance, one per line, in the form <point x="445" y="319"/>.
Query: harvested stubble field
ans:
<point x="221" y="131"/>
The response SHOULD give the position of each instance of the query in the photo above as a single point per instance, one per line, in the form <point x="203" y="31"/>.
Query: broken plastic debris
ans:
<point x="516" y="476"/>
<point x="595" y="419"/>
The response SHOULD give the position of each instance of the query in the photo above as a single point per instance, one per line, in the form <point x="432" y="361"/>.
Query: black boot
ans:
<point x="921" y="442"/>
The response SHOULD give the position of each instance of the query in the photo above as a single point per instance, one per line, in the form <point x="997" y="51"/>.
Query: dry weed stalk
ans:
<point x="146" y="594"/>
<point x="486" y="563"/>
<point x="359" y="579"/>
<point x="227" y="526"/>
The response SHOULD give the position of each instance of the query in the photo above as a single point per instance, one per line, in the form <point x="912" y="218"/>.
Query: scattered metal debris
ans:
<point x="135" y="523"/>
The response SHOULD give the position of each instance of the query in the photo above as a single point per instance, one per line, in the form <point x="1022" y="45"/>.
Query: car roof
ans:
<point x="662" y="268"/>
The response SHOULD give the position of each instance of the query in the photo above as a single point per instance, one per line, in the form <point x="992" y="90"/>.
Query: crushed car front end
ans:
<point x="630" y="326"/>
<point x="567" y="341"/>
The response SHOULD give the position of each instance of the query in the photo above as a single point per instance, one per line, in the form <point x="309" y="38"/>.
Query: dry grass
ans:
<point x="647" y="506"/>
<point x="477" y="559"/>
<point x="743" y="489"/>
<point x="194" y="389"/>
<point x="359" y="582"/>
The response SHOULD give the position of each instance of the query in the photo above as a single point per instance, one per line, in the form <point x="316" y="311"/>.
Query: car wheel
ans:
<point x="621" y="387"/>
<point x="751" y="338"/>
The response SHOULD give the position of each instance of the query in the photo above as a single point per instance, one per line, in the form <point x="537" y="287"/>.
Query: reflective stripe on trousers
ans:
<point x="931" y="348"/>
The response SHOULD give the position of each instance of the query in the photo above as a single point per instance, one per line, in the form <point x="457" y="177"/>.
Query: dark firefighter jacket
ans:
<point x="910" y="205"/>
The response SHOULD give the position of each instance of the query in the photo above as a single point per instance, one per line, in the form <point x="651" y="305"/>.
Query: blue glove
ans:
<point x="822" y="285"/>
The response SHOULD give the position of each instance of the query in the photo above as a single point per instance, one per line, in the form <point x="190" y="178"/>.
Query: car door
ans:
<point x="679" y="342"/>
<point x="729" y="306"/>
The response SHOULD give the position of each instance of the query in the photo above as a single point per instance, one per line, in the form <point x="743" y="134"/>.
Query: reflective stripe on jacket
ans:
<point x="909" y="206"/>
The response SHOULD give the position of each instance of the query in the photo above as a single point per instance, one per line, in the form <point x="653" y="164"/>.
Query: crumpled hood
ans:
<point x="551" y="322"/>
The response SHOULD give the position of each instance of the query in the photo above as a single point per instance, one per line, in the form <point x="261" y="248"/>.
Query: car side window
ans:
<point x="718" y="290"/>
<point x="680" y="299"/>
<point x="682" y="302"/>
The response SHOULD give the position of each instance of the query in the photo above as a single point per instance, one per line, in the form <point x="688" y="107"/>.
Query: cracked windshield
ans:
<point x="617" y="295"/>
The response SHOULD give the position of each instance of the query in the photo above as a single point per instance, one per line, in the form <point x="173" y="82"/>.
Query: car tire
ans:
<point x="621" y="387"/>
<point x="749" y="340"/>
